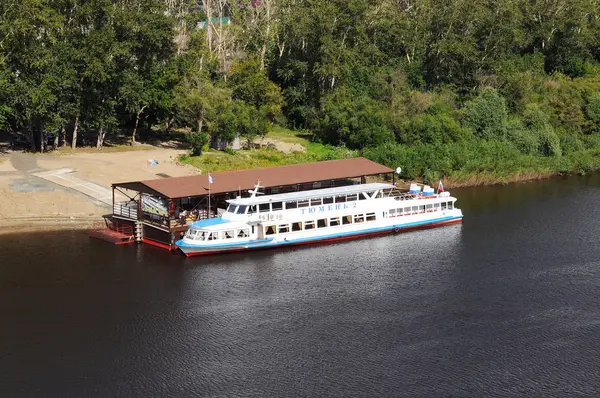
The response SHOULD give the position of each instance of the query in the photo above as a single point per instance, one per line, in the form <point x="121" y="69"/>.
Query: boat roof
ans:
<point x="216" y="223"/>
<point x="315" y="193"/>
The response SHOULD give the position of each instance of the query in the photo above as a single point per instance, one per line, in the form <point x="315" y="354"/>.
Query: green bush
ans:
<point x="486" y="115"/>
<point x="197" y="142"/>
<point x="570" y="143"/>
<point x="526" y="142"/>
<point x="435" y="127"/>
<point x="549" y="142"/>
<point x="593" y="110"/>
<point x="354" y="121"/>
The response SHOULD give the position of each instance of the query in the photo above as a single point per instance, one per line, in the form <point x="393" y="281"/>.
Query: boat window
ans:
<point x="392" y="212"/>
<point x="347" y="220"/>
<point x="264" y="207"/>
<point x="242" y="233"/>
<point x="277" y="206"/>
<point x="444" y="205"/>
<point x="327" y="200"/>
<point x="379" y="195"/>
<point x="270" y="230"/>
<point x="334" y="222"/>
<point x="231" y="209"/>
<point x="351" y="197"/>
<point x="275" y="190"/>
<point x="436" y="206"/>
<point x="429" y="208"/>
<point x="322" y="223"/>
<point x="252" y="209"/>
<point x="309" y="225"/>
<point x="242" y="209"/>
<point x="359" y="218"/>
<point x="303" y="203"/>
<point x="371" y="216"/>
<point x="415" y="209"/>
<point x="291" y="205"/>
<point x="284" y="228"/>
<point x="399" y="211"/>
<point x="211" y="236"/>
<point x="450" y="205"/>
<point x="317" y="185"/>
<point x="316" y="202"/>
<point x="201" y="235"/>
<point x="340" y="199"/>
<point x="297" y="226"/>
<point x="229" y="234"/>
<point x="422" y="209"/>
<point x="362" y="196"/>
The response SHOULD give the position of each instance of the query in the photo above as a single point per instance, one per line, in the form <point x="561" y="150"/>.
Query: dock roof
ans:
<point x="231" y="181"/>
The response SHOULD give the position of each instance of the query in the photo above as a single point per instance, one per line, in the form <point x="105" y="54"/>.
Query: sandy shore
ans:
<point x="29" y="203"/>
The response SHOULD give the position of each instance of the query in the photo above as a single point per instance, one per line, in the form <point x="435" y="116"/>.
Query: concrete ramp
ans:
<point x="65" y="178"/>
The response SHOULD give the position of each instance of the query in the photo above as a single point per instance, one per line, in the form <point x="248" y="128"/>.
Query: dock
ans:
<point x="113" y="233"/>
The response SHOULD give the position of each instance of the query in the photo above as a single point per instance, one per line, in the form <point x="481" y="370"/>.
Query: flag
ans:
<point x="210" y="179"/>
<point x="151" y="162"/>
<point x="440" y="187"/>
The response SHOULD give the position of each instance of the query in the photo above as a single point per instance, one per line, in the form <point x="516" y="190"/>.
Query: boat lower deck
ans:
<point x="190" y="250"/>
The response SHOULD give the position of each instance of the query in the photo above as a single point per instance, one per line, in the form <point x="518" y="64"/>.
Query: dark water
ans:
<point x="506" y="304"/>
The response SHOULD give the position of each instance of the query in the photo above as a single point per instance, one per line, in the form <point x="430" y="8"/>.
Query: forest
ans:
<point x="467" y="90"/>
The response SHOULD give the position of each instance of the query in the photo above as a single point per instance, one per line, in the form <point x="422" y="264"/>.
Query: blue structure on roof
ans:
<point x="209" y="222"/>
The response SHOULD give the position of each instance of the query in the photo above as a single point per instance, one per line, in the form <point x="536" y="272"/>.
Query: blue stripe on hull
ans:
<point x="269" y="243"/>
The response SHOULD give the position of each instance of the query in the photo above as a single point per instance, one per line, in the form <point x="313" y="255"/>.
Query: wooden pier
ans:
<point x="112" y="232"/>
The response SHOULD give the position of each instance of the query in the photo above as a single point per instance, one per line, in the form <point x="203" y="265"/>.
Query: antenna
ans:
<point x="254" y="191"/>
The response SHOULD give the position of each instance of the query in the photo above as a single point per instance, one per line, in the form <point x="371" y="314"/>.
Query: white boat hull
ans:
<point x="392" y="225"/>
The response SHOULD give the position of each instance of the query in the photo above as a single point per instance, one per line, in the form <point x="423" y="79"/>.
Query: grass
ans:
<point x="290" y="136"/>
<point x="251" y="159"/>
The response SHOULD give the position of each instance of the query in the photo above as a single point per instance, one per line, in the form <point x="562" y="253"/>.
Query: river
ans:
<point x="505" y="304"/>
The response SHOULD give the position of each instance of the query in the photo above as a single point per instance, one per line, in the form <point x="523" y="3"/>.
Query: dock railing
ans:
<point x="126" y="210"/>
<point x="113" y="226"/>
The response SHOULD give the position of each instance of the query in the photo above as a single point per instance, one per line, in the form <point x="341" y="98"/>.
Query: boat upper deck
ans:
<point x="315" y="193"/>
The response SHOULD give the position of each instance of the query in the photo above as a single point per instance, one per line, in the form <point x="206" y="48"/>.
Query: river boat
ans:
<point x="319" y="215"/>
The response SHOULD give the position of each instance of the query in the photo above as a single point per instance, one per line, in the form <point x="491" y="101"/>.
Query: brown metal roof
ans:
<point x="230" y="181"/>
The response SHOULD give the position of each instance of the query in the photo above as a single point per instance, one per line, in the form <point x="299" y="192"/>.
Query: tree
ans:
<point x="357" y="122"/>
<point x="199" y="101"/>
<point x="135" y="93"/>
<point x="251" y="85"/>
<point x="486" y="115"/>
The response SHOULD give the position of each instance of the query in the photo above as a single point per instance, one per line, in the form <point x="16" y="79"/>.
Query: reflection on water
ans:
<point x="507" y="303"/>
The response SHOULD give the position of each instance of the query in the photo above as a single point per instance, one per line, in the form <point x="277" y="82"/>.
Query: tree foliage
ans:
<point x="408" y="77"/>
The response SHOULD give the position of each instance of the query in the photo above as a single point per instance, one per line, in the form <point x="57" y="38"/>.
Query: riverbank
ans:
<point x="29" y="203"/>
